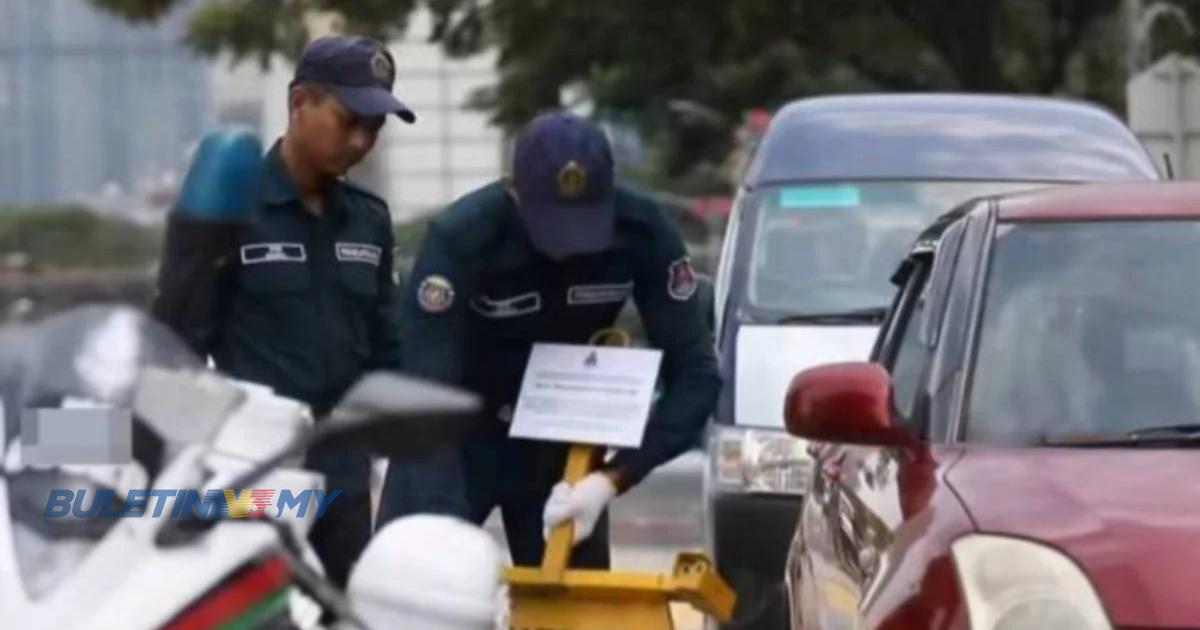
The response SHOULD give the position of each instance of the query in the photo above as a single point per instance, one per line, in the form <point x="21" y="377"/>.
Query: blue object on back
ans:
<point x="222" y="182"/>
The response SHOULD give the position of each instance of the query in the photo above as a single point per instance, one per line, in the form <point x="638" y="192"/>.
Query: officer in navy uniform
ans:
<point x="550" y="256"/>
<point x="305" y="300"/>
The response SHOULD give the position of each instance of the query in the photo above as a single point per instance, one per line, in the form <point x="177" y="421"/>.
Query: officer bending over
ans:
<point x="551" y="257"/>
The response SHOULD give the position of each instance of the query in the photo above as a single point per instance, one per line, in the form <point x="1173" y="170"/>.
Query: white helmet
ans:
<point x="430" y="572"/>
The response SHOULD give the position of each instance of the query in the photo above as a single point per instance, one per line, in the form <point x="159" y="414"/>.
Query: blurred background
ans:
<point x="102" y="100"/>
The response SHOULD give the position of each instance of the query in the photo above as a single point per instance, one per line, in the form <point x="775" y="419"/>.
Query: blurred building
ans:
<point x="94" y="108"/>
<point x="90" y="104"/>
<point x="1164" y="111"/>
<point x="451" y="149"/>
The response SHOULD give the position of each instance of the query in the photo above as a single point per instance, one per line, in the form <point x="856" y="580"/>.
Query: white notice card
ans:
<point x="586" y="394"/>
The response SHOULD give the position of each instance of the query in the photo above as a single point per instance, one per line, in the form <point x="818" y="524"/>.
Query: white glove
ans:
<point x="585" y="502"/>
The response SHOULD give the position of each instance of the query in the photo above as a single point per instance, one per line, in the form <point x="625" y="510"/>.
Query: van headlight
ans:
<point x="760" y="461"/>
<point x="1010" y="583"/>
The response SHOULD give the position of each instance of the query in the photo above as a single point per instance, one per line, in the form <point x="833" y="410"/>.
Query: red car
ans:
<point x="1023" y="451"/>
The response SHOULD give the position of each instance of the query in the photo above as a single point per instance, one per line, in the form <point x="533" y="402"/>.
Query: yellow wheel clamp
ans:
<point x="553" y="597"/>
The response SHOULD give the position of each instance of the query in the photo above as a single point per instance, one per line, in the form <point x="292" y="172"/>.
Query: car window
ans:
<point x="940" y="278"/>
<point x="919" y="326"/>
<point x="912" y="354"/>
<point x="1087" y="327"/>
<point x="833" y="247"/>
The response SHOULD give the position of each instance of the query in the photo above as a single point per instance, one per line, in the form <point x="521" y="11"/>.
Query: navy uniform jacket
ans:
<point x="480" y="296"/>
<point x="310" y="302"/>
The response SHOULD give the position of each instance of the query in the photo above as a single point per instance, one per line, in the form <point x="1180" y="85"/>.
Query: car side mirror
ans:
<point x="843" y="402"/>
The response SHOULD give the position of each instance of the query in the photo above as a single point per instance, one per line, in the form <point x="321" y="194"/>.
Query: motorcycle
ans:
<point x="169" y="564"/>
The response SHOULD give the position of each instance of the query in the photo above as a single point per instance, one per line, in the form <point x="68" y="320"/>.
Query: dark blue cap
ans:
<point x="359" y="71"/>
<point x="563" y="175"/>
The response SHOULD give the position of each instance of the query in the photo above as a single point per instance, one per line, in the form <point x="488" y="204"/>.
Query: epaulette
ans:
<point x="375" y="201"/>
<point x="474" y="220"/>
<point x="639" y="211"/>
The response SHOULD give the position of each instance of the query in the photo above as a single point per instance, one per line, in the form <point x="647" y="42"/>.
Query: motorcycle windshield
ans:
<point x="92" y="353"/>
<point x="88" y="358"/>
<point x="51" y="537"/>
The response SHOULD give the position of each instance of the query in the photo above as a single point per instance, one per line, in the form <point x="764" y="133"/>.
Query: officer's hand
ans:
<point x="585" y="502"/>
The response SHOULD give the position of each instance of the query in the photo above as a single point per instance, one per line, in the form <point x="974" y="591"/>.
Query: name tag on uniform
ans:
<point x="515" y="306"/>
<point x="273" y="252"/>
<point x="587" y="294"/>
<point x="359" y="252"/>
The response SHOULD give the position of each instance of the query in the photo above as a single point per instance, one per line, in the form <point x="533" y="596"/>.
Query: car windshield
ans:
<point x="832" y="247"/>
<point x="1088" y="328"/>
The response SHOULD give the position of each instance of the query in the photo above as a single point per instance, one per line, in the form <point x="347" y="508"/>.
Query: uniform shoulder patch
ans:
<point x="681" y="279"/>
<point x="435" y="294"/>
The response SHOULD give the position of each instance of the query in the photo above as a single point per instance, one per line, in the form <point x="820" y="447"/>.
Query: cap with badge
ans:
<point x="563" y="176"/>
<point x="358" y="71"/>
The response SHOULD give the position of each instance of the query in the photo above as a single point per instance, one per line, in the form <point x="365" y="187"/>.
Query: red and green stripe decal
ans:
<point x="260" y="613"/>
<point x="248" y="598"/>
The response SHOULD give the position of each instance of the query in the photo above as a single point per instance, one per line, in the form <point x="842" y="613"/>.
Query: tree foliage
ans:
<point x="75" y="237"/>
<point x="658" y="63"/>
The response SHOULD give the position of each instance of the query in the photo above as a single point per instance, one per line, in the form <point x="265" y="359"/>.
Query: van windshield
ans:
<point x="829" y="248"/>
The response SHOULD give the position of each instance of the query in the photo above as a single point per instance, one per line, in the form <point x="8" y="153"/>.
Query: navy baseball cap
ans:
<point x="563" y="176"/>
<point x="359" y="71"/>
